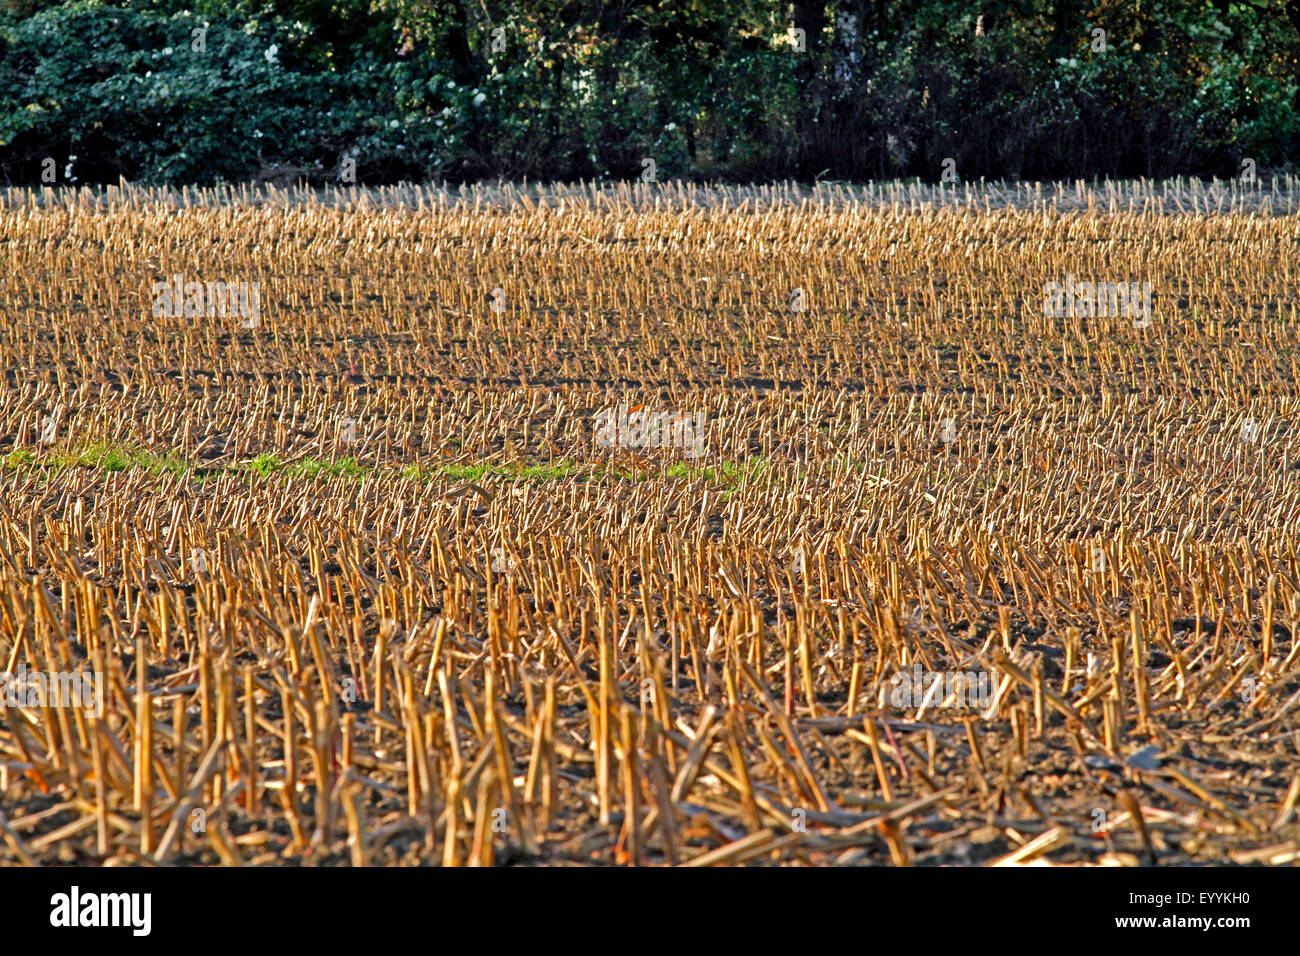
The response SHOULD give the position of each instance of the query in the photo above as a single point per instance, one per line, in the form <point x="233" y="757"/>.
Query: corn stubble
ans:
<point x="603" y="655"/>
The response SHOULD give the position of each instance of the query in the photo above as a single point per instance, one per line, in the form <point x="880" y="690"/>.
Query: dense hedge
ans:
<point x="168" y="92"/>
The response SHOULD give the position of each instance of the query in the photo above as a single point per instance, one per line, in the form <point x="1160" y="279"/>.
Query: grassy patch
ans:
<point x="170" y="462"/>
<point x="563" y="469"/>
<point x="116" y="458"/>
<point x="317" y="468"/>
<point x="101" y="455"/>
<point x="265" y="464"/>
<point x="727" y="472"/>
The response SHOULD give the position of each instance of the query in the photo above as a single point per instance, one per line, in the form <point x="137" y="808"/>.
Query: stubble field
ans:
<point x="359" y="579"/>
